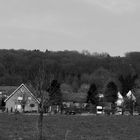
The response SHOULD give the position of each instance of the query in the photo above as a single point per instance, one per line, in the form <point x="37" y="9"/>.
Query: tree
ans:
<point x="134" y="59"/>
<point x="75" y="83"/>
<point x="55" y="93"/>
<point x="82" y="92"/>
<point x="127" y="82"/>
<point x="42" y="82"/>
<point x="85" y="78"/>
<point x="100" y="76"/>
<point x="2" y="103"/>
<point x="21" y="66"/>
<point x="111" y="91"/>
<point x="92" y="94"/>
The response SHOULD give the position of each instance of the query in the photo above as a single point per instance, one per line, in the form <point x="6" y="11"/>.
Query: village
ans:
<point x="21" y="100"/>
<point x="69" y="70"/>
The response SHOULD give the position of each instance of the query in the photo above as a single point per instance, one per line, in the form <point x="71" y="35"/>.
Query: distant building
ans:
<point x="120" y="100"/>
<point x="21" y="99"/>
<point x="131" y="96"/>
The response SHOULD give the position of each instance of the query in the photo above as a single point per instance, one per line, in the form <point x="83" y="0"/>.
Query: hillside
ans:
<point x="71" y="67"/>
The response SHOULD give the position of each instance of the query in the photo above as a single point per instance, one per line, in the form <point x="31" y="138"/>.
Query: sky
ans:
<point x="111" y="26"/>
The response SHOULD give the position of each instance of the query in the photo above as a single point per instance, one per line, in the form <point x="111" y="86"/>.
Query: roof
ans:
<point x="119" y="95"/>
<point x="7" y="90"/>
<point x="18" y="89"/>
<point x="130" y="95"/>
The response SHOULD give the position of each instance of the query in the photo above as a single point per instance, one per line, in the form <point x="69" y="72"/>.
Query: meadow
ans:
<point x="72" y="127"/>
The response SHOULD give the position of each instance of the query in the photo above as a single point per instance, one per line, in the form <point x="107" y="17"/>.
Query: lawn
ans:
<point x="24" y="127"/>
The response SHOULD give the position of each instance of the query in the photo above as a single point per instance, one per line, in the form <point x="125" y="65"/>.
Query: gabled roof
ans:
<point x="131" y="96"/>
<point x="120" y="99"/>
<point x="17" y="90"/>
<point x="119" y="95"/>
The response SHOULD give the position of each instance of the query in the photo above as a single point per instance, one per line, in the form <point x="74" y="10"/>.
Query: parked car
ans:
<point x="99" y="110"/>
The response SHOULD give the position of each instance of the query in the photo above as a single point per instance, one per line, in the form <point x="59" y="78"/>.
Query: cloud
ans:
<point x="115" y="6"/>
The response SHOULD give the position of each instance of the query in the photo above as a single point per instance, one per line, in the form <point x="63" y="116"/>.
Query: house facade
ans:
<point x="21" y="100"/>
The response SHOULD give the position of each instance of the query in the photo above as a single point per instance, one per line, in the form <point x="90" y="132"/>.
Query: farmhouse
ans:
<point x="21" y="100"/>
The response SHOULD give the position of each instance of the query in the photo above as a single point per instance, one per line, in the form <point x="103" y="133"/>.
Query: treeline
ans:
<point x="71" y="68"/>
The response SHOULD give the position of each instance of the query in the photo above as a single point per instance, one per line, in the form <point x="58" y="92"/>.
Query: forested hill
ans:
<point x="17" y="66"/>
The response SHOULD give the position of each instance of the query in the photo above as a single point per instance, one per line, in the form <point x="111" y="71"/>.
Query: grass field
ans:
<point x="24" y="127"/>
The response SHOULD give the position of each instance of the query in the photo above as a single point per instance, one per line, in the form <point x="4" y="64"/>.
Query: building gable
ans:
<point x="21" y="91"/>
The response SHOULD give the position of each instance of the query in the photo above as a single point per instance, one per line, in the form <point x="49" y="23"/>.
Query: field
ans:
<point x="24" y="127"/>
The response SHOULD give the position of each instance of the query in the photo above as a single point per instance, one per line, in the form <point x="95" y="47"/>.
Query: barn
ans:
<point x="21" y="100"/>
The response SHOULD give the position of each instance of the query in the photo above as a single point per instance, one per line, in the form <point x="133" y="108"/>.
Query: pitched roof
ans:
<point x="130" y="95"/>
<point x="18" y="89"/>
<point x="119" y="95"/>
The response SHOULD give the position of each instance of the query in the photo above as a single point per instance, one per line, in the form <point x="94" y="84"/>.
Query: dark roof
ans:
<point x="7" y="90"/>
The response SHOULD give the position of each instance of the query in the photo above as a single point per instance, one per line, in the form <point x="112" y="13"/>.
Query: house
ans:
<point x="131" y="96"/>
<point x="119" y="104"/>
<point x="5" y="91"/>
<point x="120" y="100"/>
<point x="21" y="100"/>
<point x="130" y="101"/>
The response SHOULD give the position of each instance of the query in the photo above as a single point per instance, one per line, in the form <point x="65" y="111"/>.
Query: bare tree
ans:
<point x="42" y="82"/>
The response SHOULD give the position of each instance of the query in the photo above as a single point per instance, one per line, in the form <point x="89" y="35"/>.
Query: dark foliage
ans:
<point x="2" y="102"/>
<point x="134" y="58"/>
<point x="127" y="83"/>
<point x="111" y="92"/>
<point x="54" y="93"/>
<point x="71" y="67"/>
<point x="92" y="94"/>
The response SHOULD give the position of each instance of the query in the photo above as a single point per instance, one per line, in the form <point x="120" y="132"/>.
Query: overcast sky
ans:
<point x="111" y="26"/>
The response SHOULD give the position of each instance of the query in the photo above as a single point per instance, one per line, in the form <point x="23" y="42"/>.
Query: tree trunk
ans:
<point x="123" y="108"/>
<point x="23" y="107"/>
